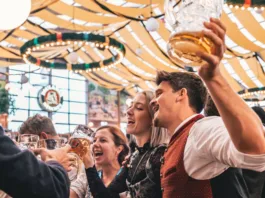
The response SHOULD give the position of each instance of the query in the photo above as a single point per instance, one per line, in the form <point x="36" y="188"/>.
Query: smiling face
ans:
<point x="104" y="149"/>
<point x="138" y="118"/>
<point x="164" y="105"/>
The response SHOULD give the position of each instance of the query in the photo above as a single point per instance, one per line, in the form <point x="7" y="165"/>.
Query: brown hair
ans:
<point x="191" y="82"/>
<point x="210" y="108"/>
<point x="37" y="124"/>
<point x="119" y="140"/>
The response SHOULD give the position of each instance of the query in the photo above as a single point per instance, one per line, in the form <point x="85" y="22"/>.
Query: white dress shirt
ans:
<point x="210" y="151"/>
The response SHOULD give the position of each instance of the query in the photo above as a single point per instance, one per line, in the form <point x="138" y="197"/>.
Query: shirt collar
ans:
<point x="184" y="122"/>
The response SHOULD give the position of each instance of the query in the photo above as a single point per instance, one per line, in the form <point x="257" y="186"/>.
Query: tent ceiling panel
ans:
<point x="251" y="24"/>
<point x="127" y="11"/>
<point x="230" y="79"/>
<point x="241" y="72"/>
<point x="52" y="18"/>
<point x="255" y="67"/>
<point x="136" y="70"/>
<point x="6" y="54"/>
<point x="77" y="13"/>
<point x="237" y="36"/>
<point x="145" y="54"/>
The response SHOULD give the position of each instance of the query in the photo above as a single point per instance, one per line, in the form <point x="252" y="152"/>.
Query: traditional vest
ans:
<point x="175" y="182"/>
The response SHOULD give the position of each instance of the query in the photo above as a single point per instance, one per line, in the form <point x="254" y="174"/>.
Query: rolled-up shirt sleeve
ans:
<point x="210" y="151"/>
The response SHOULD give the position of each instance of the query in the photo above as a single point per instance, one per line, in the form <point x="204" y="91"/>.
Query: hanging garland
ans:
<point x="253" y="95"/>
<point x="63" y="39"/>
<point x="246" y="4"/>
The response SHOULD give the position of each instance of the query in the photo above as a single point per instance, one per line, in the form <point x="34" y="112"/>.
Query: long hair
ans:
<point x="159" y="135"/>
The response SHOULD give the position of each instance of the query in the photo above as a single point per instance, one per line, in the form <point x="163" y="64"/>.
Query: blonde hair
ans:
<point x="158" y="135"/>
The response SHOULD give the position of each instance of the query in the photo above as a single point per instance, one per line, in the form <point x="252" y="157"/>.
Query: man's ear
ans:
<point x="182" y="93"/>
<point x="43" y="135"/>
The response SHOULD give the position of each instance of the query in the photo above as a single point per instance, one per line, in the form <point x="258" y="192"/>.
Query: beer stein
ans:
<point x="186" y="23"/>
<point x="80" y="142"/>
<point x="81" y="139"/>
<point x="50" y="144"/>
<point x="28" y="141"/>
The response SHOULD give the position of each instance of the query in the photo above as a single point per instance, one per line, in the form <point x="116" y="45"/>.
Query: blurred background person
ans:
<point x="238" y="182"/>
<point x="44" y="128"/>
<point x="23" y="175"/>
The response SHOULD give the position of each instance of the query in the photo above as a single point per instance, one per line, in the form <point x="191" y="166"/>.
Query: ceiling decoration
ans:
<point x="253" y="96"/>
<point x="58" y="41"/>
<point x="243" y="64"/>
<point x="246" y="3"/>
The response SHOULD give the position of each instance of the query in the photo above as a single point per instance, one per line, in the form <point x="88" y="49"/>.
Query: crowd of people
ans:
<point x="174" y="150"/>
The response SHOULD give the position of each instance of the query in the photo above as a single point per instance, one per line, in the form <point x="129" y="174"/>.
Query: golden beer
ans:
<point x="185" y="20"/>
<point x="182" y="48"/>
<point x="80" y="146"/>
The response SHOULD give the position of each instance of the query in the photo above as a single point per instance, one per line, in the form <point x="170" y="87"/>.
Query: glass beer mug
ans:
<point x="80" y="142"/>
<point x="186" y="22"/>
<point x="28" y="141"/>
<point x="50" y="144"/>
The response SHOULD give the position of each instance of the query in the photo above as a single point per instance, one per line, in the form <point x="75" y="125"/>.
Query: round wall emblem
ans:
<point x="50" y="98"/>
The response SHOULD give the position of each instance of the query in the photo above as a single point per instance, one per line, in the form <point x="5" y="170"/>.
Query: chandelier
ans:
<point x="246" y="4"/>
<point x="254" y="96"/>
<point x="76" y="39"/>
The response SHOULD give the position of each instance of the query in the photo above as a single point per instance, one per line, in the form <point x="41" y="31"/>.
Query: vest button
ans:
<point x="161" y="175"/>
<point x="162" y="189"/>
<point x="166" y="150"/>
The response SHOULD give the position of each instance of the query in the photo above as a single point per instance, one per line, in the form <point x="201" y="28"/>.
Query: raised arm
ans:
<point x="97" y="187"/>
<point x="23" y="175"/>
<point x="243" y="125"/>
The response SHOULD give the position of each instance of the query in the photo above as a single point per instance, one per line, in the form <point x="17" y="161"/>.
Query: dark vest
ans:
<point x="175" y="182"/>
<point x="255" y="183"/>
<point x="230" y="184"/>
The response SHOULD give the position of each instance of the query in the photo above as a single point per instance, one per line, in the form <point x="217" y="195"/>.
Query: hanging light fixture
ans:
<point x="24" y="79"/>
<point x="152" y="24"/>
<point x="13" y="13"/>
<point x="139" y="51"/>
<point x="73" y="57"/>
<point x="254" y="96"/>
<point x="248" y="5"/>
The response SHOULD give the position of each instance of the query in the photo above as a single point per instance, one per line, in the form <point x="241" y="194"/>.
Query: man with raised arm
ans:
<point x="203" y="148"/>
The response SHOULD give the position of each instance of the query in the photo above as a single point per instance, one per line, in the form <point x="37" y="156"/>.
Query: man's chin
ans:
<point x="157" y="122"/>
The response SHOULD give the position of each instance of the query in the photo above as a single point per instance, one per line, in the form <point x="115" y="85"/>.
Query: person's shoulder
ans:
<point x="206" y="126"/>
<point x="210" y="121"/>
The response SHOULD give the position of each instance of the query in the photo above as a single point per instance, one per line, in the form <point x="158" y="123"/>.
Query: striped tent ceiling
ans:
<point x="243" y="65"/>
